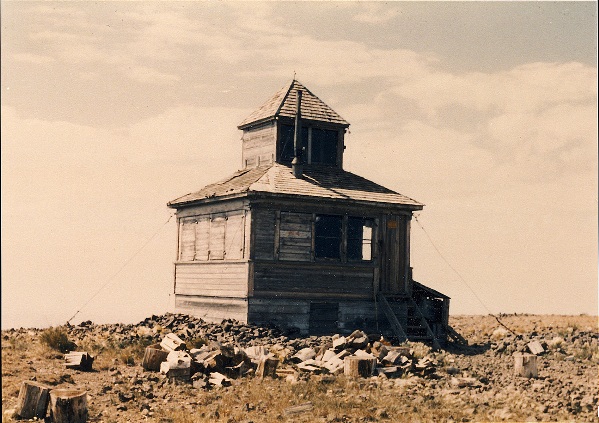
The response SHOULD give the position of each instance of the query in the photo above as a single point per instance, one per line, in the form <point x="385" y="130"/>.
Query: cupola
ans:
<point x="269" y="132"/>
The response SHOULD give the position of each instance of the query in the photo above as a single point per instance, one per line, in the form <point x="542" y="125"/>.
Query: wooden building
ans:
<point x="295" y="240"/>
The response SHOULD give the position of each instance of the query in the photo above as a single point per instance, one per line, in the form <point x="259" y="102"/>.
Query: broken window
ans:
<point x="359" y="238"/>
<point x="327" y="242"/>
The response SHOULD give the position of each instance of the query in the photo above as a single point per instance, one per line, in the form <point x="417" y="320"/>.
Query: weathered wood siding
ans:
<point x="312" y="280"/>
<point x="219" y="279"/>
<point x="263" y="222"/>
<point x="295" y="236"/>
<point x="212" y="309"/>
<point x="305" y="314"/>
<point x="259" y="145"/>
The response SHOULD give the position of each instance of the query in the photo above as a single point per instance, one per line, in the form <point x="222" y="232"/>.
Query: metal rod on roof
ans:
<point x="297" y="163"/>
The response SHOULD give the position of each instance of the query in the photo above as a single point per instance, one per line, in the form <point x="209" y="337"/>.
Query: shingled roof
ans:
<point x="283" y="103"/>
<point x="316" y="181"/>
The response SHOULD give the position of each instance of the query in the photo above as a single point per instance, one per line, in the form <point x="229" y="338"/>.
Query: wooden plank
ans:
<point x="277" y="234"/>
<point x="234" y="236"/>
<point x="202" y="238"/>
<point x="217" y="238"/>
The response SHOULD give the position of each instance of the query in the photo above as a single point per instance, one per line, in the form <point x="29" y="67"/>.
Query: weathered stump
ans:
<point x="525" y="365"/>
<point x="267" y="367"/>
<point x="68" y="406"/>
<point x="359" y="366"/>
<point x="78" y="360"/>
<point x="153" y="356"/>
<point x="33" y="400"/>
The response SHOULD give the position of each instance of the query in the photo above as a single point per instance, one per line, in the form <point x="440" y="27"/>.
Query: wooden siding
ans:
<point x="295" y="237"/>
<point x="312" y="280"/>
<point x="281" y="312"/>
<point x="258" y="146"/>
<point x="212" y="309"/>
<point x="263" y="222"/>
<point x="219" y="279"/>
<point x="294" y="312"/>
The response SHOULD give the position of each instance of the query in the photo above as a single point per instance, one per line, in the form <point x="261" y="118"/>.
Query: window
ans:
<point x="321" y="143"/>
<point x="286" y="141"/>
<point x="324" y="146"/>
<point x="359" y="238"/>
<point x="212" y="237"/>
<point x="327" y="242"/>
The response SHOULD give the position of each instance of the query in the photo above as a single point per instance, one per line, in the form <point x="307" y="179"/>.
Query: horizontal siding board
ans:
<point x="212" y="309"/>
<point x="264" y="229"/>
<point x="312" y="278"/>
<point x="223" y="279"/>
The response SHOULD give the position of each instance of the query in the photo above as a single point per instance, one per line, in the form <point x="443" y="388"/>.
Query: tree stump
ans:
<point x="359" y="366"/>
<point x="267" y="367"/>
<point x="68" y="406"/>
<point x="33" y="400"/>
<point x="153" y="356"/>
<point x="525" y="365"/>
<point x="78" y="360"/>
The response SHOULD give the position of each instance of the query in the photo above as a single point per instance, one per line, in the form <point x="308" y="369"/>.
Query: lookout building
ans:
<point x="295" y="240"/>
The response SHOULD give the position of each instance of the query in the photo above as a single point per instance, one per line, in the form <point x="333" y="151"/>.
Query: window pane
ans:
<point x="328" y="237"/>
<point x="359" y="238"/>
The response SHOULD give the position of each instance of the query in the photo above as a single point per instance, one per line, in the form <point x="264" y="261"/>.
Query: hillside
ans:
<point x="473" y="383"/>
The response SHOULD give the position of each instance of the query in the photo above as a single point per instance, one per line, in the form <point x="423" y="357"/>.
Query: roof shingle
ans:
<point x="283" y="103"/>
<point x="317" y="181"/>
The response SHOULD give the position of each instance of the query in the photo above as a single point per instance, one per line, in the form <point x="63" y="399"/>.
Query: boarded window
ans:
<point x="202" y="238"/>
<point x="234" y="237"/>
<point x="217" y="238"/>
<point x="295" y="236"/>
<point x="187" y="243"/>
<point x="324" y="146"/>
<point x="359" y="238"/>
<point x="263" y="222"/>
<point x="327" y="242"/>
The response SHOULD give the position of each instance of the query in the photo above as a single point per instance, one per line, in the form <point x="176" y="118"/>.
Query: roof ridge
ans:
<point x="285" y="96"/>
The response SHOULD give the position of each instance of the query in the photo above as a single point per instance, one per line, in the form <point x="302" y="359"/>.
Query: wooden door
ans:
<point x="394" y="257"/>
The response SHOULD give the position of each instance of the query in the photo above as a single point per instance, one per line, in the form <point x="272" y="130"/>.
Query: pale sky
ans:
<point x="484" y="111"/>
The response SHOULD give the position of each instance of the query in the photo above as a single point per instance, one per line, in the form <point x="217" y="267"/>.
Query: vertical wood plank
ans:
<point x="277" y="233"/>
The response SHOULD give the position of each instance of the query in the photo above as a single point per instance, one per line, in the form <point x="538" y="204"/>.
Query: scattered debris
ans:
<point x="535" y="347"/>
<point x="301" y="408"/>
<point x="172" y="342"/>
<point x="153" y="356"/>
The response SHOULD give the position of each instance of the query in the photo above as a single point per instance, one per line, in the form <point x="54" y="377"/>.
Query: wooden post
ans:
<point x="153" y="356"/>
<point x="267" y="367"/>
<point x="68" y="406"/>
<point x="33" y="400"/>
<point x="525" y="365"/>
<point x="359" y="366"/>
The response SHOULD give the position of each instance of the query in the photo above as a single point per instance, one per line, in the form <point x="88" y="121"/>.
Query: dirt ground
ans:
<point x="469" y="383"/>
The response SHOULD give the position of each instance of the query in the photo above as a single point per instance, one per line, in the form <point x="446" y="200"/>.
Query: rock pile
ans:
<point x="216" y="363"/>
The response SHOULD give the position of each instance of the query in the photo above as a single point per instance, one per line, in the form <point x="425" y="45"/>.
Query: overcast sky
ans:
<point x="484" y="111"/>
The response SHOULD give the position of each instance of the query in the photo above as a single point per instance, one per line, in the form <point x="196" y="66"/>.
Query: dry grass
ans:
<point x="57" y="339"/>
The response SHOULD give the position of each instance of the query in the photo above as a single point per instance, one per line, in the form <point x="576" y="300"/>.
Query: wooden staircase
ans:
<point x="415" y="327"/>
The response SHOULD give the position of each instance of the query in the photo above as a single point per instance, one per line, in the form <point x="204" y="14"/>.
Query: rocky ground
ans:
<point x="461" y="383"/>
